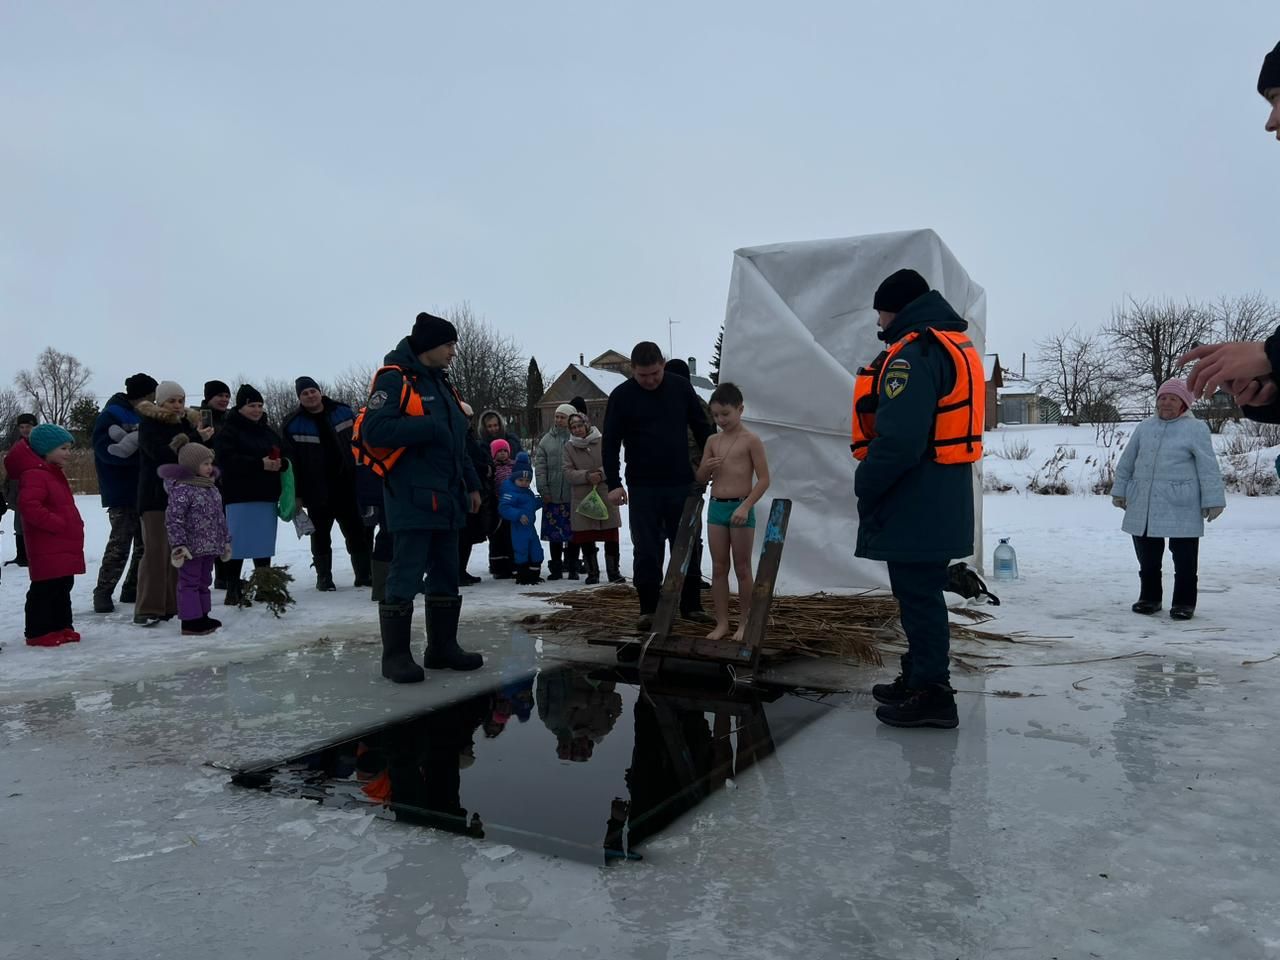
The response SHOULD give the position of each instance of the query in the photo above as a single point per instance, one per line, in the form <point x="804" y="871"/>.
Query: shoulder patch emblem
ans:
<point x="377" y="400"/>
<point x="899" y="364"/>
<point x="895" y="381"/>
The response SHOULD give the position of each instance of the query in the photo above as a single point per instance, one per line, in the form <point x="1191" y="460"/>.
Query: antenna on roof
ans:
<point x="670" y="323"/>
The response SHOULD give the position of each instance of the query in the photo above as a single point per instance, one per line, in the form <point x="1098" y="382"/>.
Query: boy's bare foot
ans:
<point x="719" y="633"/>
<point x="739" y="633"/>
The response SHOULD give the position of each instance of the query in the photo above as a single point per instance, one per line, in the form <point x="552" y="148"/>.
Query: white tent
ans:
<point x="799" y="323"/>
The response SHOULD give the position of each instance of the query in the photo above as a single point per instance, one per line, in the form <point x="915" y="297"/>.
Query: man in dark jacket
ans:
<point x="678" y="368"/>
<point x="1248" y="370"/>
<point x="652" y="415"/>
<point x="317" y="440"/>
<point x="430" y="490"/>
<point x="115" y="457"/>
<point x="914" y="512"/>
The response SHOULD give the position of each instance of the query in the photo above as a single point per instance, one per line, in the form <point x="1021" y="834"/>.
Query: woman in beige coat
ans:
<point x="584" y="469"/>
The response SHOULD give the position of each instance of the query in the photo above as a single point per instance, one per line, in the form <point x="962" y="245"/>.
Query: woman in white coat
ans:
<point x="1168" y="484"/>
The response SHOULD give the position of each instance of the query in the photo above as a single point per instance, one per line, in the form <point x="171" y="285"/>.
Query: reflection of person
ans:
<point x="430" y="490"/>
<point x="1168" y="483"/>
<point x="579" y="709"/>
<point x="1245" y="369"/>
<point x="650" y="415"/>
<point x="735" y="461"/>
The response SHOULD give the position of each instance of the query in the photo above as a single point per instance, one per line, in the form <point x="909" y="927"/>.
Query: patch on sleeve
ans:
<point x="895" y="379"/>
<point x="377" y="400"/>
<point x="899" y="364"/>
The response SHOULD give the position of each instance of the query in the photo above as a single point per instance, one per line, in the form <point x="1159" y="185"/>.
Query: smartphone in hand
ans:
<point x="206" y="418"/>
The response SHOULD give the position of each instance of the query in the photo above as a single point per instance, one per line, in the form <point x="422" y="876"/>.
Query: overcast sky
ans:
<point x="212" y="189"/>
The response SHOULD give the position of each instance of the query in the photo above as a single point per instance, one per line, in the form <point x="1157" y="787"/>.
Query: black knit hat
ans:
<point x="247" y="394"/>
<point x="305" y="383"/>
<point x="215" y="388"/>
<point x="677" y="367"/>
<point x="430" y="332"/>
<point x="579" y="404"/>
<point x="138" y="386"/>
<point x="898" y="290"/>
<point x="1269" y="78"/>
<point x="22" y="418"/>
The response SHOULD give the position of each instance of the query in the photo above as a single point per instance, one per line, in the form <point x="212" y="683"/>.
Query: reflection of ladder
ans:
<point x="744" y="656"/>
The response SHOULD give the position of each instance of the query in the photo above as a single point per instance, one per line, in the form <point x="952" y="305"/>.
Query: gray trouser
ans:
<point x="126" y="533"/>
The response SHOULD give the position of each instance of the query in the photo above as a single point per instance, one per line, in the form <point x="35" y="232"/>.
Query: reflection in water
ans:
<point x="622" y="761"/>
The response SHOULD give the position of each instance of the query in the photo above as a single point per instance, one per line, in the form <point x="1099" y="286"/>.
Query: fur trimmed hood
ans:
<point x="153" y="411"/>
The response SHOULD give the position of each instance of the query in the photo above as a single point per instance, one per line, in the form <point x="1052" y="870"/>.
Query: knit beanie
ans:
<point x="48" y="437"/>
<point x="1269" y="78"/>
<point x="304" y="383"/>
<point x="579" y="404"/>
<point x="430" y="332"/>
<point x="898" y="290"/>
<point x="499" y="446"/>
<point x="677" y="367"/>
<point x="138" y="386"/>
<point x="1179" y="389"/>
<point x="247" y="394"/>
<point x="167" y="390"/>
<point x="522" y="467"/>
<point x="568" y="409"/>
<point x="22" y="418"/>
<point x="192" y="455"/>
<point x="215" y="388"/>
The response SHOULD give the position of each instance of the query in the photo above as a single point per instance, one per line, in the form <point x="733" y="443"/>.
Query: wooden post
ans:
<point x="664" y="617"/>
<point x="775" y="535"/>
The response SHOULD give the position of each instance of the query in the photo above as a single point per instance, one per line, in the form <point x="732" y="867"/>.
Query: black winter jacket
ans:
<point x="655" y="426"/>
<point x="910" y="508"/>
<point x="238" y="451"/>
<point x="157" y="428"/>
<point x="319" y="446"/>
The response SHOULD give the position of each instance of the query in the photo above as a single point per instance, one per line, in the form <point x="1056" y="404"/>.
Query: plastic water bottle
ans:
<point x="1005" y="561"/>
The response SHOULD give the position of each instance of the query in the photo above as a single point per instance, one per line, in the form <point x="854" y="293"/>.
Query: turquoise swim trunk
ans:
<point x="720" y="513"/>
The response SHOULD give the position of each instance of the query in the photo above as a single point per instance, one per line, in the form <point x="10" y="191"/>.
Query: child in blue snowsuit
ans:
<point x="518" y="506"/>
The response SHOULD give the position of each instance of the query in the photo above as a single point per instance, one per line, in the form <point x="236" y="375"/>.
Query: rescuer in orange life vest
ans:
<point x="917" y="430"/>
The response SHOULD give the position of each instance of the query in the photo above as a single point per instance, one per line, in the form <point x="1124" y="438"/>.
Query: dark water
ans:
<point x="572" y="761"/>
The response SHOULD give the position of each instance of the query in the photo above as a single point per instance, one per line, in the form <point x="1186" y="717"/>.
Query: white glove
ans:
<point x="1212" y="513"/>
<point x="1118" y="502"/>
<point x="178" y="556"/>
<point x="126" y="447"/>
<point x="116" y="432"/>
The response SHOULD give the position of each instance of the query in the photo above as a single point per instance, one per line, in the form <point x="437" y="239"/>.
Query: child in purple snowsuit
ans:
<point x="198" y="534"/>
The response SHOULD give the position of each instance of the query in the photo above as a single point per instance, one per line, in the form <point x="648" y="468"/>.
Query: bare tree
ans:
<point x="1079" y="373"/>
<point x="488" y="370"/>
<point x="1148" y="336"/>
<point x="352" y="385"/>
<point x="279" y="398"/>
<point x="54" y="385"/>
<point x="10" y="407"/>
<point x="1248" y="317"/>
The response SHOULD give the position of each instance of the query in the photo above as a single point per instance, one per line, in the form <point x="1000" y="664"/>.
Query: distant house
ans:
<point x="1022" y="403"/>
<point x="593" y="382"/>
<point x="995" y="380"/>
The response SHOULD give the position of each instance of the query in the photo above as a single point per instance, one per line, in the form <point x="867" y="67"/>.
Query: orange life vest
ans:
<point x="960" y="416"/>
<point x="381" y="459"/>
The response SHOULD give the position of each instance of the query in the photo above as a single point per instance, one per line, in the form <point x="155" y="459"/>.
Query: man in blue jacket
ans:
<point x="915" y="512"/>
<point x="115" y="457"/>
<point x="429" y="491"/>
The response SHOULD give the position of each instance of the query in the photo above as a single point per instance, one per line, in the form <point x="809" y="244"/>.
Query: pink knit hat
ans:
<point x="1179" y="389"/>
<point x="497" y="445"/>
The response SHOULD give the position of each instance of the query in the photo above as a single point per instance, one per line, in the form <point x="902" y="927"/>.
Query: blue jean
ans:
<point x="418" y="552"/>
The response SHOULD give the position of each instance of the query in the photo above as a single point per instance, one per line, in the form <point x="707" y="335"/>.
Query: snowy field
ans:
<point x="1120" y="806"/>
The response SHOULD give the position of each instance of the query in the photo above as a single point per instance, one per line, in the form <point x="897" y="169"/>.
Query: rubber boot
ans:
<point x="591" y="560"/>
<point x="323" y="562"/>
<point x="557" y="561"/>
<point x="931" y="706"/>
<point x="1151" y="593"/>
<point x="378" y="570"/>
<point x="395" y="619"/>
<point x="360" y="566"/>
<point x="443" y="652"/>
<point x="611" y="557"/>
<point x="571" y="560"/>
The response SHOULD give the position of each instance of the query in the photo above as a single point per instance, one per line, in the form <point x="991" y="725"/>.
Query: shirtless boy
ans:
<point x="734" y="461"/>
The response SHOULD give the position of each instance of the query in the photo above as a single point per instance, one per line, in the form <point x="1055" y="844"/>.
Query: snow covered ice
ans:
<point x="1121" y="808"/>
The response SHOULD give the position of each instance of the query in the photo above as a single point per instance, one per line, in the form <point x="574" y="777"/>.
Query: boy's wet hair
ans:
<point x="727" y="395"/>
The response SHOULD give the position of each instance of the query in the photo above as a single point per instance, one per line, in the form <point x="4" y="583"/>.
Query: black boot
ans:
<point x="235" y="593"/>
<point x="611" y="556"/>
<point x="592" y="561"/>
<point x="931" y="706"/>
<point x="395" y="620"/>
<point x="896" y="692"/>
<point x="1185" y="586"/>
<point x="360" y="566"/>
<point x="571" y="560"/>
<point x="323" y="562"/>
<point x="443" y="652"/>
<point x="102" y="603"/>
<point x="528" y="575"/>
<point x="21" y="558"/>
<point x="1151" y="593"/>
<point x="557" y="561"/>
